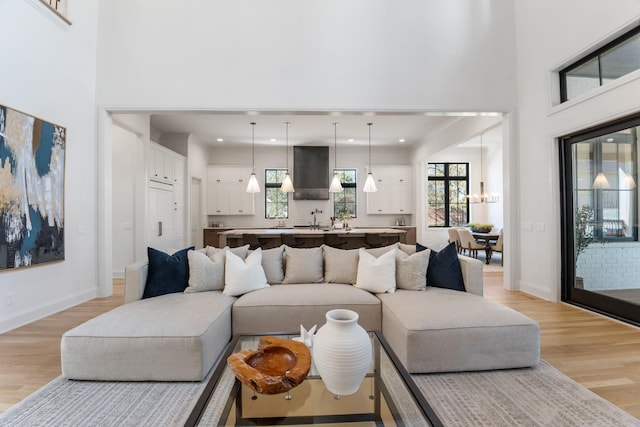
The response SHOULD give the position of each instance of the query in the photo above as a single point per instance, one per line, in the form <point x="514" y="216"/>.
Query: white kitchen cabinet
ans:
<point x="166" y="221"/>
<point x="395" y="191"/>
<point x="226" y="191"/>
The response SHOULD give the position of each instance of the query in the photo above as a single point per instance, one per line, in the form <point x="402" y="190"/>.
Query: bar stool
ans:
<point x="290" y="240"/>
<point x="373" y="240"/>
<point x="251" y="240"/>
<point x="334" y="241"/>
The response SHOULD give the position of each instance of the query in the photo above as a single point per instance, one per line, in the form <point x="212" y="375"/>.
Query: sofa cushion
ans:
<point x="340" y="265"/>
<point x="303" y="265"/>
<point x="283" y="308"/>
<point x="242" y="276"/>
<point x="167" y="273"/>
<point x="444" y="268"/>
<point x="205" y="273"/>
<point x="175" y="337"/>
<point x="272" y="263"/>
<point x="442" y="330"/>
<point x="411" y="270"/>
<point x="377" y="275"/>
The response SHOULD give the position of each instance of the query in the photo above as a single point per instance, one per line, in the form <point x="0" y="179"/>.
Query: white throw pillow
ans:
<point x="243" y="276"/>
<point x="377" y="275"/>
<point x="411" y="270"/>
<point x="205" y="274"/>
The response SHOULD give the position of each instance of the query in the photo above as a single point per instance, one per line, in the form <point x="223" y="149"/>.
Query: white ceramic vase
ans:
<point x="342" y="352"/>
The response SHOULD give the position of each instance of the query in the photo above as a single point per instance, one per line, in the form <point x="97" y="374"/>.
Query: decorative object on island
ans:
<point x="277" y="366"/>
<point x="484" y="197"/>
<point x="480" y="227"/>
<point x="253" y="186"/>
<point x="287" y="184"/>
<point x="32" y="166"/>
<point x="342" y="352"/>
<point x="335" y="186"/>
<point x="370" y="183"/>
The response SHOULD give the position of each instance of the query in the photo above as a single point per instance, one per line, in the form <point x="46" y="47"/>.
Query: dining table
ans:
<point x="487" y="238"/>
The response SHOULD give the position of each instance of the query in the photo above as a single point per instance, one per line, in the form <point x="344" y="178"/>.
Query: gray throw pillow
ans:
<point x="303" y="265"/>
<point x="377" y="252"/>
<point x="272" y="264"/>
<point x="411" y="270"/>
<point x="340" y="265"/>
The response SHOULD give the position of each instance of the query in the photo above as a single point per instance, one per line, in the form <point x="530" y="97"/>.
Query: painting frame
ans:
<point x="32" y="190"/>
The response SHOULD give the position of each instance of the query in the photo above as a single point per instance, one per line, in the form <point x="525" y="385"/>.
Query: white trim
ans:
<point x="61" y="20"/>
<point x="105" y="217"/>
<point x="41" y="311"/>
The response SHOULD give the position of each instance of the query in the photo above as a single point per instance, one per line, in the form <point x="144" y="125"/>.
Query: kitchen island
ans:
<point x="306" y="237"/>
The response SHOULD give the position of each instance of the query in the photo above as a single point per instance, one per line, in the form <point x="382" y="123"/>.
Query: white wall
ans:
<point x="48" y="70"/>
<point x="287" y="54"/>
<point x="300" y="210"/>
<point x="123" y="198"/>
<point x="551" y="34"/>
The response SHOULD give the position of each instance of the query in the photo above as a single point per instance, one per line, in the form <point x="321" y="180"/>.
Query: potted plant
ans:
<point x="480" y="227"/>
<point x="583" y="234"/>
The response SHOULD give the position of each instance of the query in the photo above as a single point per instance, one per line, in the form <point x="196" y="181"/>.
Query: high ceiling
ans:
<point x="308" y="128"/>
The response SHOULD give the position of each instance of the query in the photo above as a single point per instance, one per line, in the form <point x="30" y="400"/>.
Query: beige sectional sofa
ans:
<point x="179" y="336"/>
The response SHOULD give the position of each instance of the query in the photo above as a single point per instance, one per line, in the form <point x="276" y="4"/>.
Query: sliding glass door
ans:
<point x="600" y="247"/>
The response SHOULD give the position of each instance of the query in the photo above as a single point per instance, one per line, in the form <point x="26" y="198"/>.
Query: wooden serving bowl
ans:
<point x="278" y="365"/>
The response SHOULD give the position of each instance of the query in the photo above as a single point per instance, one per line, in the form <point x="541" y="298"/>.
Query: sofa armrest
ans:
<point x="471" y="274"/>
<point x="135" y="279"/>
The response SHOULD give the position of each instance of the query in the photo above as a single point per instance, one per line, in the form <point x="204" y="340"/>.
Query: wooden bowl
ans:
<point x="278" y="365"/>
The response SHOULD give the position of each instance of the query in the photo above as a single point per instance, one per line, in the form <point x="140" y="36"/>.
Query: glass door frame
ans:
<point x="603" y="304"/>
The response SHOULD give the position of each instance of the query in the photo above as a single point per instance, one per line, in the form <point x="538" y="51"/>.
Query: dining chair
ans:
<point x="469" y="243"/>
<point x="497" y="247"/>
<point x="454" y="237"/>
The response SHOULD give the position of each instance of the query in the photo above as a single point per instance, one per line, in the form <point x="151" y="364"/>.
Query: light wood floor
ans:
<point x="599" y="353"/>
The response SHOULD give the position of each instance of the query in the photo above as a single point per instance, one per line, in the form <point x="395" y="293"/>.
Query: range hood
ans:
<point x="311" y="173"/>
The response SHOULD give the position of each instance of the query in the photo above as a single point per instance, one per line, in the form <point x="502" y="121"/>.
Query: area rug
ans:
<point x="540" y="396"/>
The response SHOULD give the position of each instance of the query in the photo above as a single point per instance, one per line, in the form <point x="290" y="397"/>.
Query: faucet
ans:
<point x="315" y="225"/>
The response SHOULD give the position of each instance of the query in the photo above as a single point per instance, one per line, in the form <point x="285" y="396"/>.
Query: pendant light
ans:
<point x="253" y="186"/>
<point x="370" y="183"/>
<point x="484" y="197"/>
<point x="335" y="186"/>
<point x="287" y="184"/>
<point x="601" y="181"/>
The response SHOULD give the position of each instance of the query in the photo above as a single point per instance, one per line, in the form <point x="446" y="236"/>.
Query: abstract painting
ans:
<point x="31" y="190"/>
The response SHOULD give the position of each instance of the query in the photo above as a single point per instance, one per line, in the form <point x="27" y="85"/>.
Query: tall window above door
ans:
<point x="448" y="186"/>
<point x="612" y="61"/>
<point x="276" y="202"/>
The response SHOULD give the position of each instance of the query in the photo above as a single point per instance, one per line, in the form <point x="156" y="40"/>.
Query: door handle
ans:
<point x="159" y="228"/>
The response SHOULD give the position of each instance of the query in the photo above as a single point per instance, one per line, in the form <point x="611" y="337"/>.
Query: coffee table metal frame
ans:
<point x="380" y="387"/>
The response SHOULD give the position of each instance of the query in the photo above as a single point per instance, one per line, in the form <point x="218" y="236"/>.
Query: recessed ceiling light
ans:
<point x="350" y="140"/>
<point x="401" y="140"/>
<point x="219" y="139"/>
<point x="610" y="139"/>
<point x="272" y="140"/>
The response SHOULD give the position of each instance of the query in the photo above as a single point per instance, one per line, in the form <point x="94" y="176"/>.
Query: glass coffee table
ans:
<point x="387" y="397"/>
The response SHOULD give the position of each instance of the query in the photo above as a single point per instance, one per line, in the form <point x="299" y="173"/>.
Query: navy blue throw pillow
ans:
<point x="444" y="269"/>
<point x="167" y="273"/>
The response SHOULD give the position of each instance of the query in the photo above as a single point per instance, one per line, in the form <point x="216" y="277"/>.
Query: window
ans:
<point x="612" y="61"/>
<point x="344" y="202"/>
<point x="448" y="186"/>
<point x="276" y="203"/>
<point x="605" y="185"/>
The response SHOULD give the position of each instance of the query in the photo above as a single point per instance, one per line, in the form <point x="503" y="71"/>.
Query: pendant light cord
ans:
<point x="369" y="124"/>
<point x="287" y="142"/>
<point x="335" y="146"/>
<point x="253" y="146"/>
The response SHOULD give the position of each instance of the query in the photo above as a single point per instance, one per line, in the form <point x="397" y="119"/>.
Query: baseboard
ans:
<point x="117" y="274"/>
<point x="536" y="290"/>
<point x="43" y="310"/>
